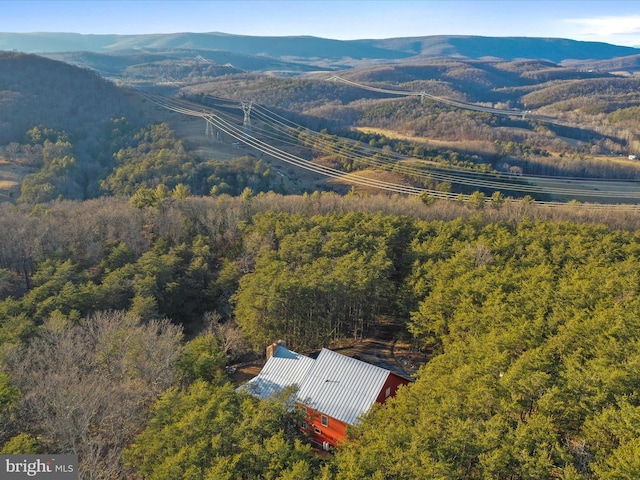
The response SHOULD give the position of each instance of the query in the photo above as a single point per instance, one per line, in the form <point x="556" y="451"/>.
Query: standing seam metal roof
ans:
<point x="283" y="369"/>
<point x="341" y="387"/>
<point x="335" y="385"/>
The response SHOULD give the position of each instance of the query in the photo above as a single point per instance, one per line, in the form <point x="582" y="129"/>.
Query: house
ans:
<point x="333" y="389"/>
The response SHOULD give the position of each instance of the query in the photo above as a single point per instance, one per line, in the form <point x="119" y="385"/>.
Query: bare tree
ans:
<point x="86" y="387"/>
<point x="229" y="336"/>
<point x="12" y="151"/>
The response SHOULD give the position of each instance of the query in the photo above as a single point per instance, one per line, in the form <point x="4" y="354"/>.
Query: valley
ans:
<point x="524" y="117"/>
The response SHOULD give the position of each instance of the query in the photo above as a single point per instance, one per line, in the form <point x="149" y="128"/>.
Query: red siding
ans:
<point x="392" y="383"/>
<point x="333" y="433"/>
<point x="336" y="431"/>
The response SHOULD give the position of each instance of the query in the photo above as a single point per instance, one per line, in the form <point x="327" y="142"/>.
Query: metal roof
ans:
<point x="335" y="385"/>
<point x="341" y="387"/>
<point x="283" y="369"/>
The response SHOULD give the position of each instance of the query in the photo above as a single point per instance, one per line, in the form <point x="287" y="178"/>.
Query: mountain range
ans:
<point x="317" y="51"/>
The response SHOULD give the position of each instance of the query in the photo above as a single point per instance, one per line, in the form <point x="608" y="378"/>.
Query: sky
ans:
<point x="610" y="21"/>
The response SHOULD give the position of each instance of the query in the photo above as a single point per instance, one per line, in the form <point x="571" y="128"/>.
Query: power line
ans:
<point x="447" y="101"/>
<point x="284" y="132"/>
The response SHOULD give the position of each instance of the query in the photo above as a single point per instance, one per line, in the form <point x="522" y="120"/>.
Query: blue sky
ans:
<point x="610" y="21"/>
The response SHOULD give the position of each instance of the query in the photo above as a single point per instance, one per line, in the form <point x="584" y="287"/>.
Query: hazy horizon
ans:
<point x="614" y="22"/>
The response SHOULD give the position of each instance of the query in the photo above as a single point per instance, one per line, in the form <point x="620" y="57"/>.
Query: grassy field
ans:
<point x="629" y="190"/>
<point x="477" y="147"/>
<point x="486" y="147"/>
<point x="11" y="176"/>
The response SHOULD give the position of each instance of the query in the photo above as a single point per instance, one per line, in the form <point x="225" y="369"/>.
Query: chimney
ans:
<point x="271" y="349"/>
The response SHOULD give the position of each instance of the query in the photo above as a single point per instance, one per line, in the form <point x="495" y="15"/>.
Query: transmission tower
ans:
<point x="207" y="128"/>
<point x="210" y="130"/>
<point x="246" y="108"/>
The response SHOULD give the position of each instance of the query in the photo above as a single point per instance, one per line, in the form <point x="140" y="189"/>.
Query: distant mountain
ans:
<point x="505" y="48"/>
<point x="628" y="64"/>
<point x="473" y="80"/>
<point x="125" y="63"/>
<point x="275" y="47"/>
<point x="105" y="63"/>
<point x="317" y="51"/>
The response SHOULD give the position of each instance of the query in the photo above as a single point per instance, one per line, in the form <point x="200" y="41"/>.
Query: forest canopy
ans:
<point x="530" y="326"/>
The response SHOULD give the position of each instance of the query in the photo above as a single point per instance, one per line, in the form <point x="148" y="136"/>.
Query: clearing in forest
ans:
<point x="11" y="176"/>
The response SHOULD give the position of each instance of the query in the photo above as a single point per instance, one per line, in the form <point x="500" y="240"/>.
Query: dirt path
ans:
<point x="384" y="350"/>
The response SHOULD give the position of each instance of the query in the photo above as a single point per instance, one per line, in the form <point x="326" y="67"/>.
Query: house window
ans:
<point x="387" y="392"/>
<point x="324" y="420"/>
<point x="304" y="426"/>
<point x="317" y="430"/>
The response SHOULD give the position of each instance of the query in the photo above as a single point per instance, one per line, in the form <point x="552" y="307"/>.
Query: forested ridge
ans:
<point x="127" y="161"/>
<point x="528" y="317"/>
<point x="37" y="91"/>
<point x="586" y="106"/>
